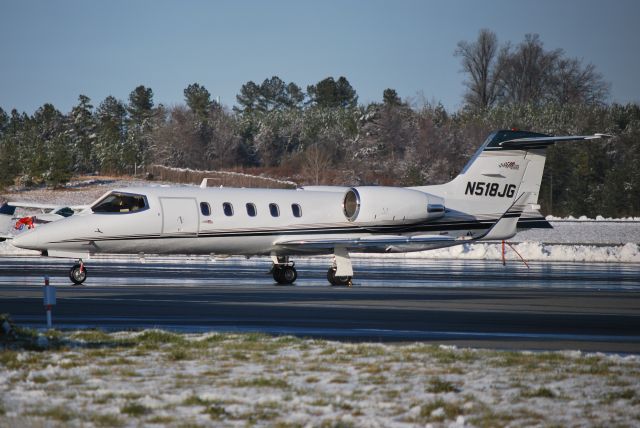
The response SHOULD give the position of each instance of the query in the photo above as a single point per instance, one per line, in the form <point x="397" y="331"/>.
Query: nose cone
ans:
<point x="29" y="240"/>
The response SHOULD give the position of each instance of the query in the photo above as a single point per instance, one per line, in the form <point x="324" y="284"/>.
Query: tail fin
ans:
<point x="509" y="163"/>
<point x="6" y="220"/>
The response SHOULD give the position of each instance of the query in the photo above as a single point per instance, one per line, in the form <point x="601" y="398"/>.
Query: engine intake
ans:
<point x="390" y="205"/>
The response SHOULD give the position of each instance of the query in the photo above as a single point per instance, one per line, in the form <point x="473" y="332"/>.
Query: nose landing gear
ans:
<point x="78" y="273"/>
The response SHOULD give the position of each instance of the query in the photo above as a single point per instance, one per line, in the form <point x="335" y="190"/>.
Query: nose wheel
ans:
<point x="78" y="273"/>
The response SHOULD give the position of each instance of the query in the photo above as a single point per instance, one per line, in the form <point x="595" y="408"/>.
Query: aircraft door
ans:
<point x="179" y="216"/>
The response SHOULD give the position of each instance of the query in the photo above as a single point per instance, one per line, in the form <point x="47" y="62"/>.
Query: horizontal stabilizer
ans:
<point x="544" y="141"/>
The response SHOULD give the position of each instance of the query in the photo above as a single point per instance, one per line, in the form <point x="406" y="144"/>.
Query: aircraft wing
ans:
<point x="505" y="225"/>
<point x="382" y="241"/>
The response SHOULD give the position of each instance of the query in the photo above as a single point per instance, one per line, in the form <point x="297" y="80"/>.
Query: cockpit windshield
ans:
<point x="117" y="202"/>
<point x="65" y="212"/>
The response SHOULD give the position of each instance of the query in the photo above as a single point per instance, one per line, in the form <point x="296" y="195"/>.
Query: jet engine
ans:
<point x="390" y="205"/>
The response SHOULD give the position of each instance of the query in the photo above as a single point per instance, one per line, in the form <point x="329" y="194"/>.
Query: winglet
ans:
<point x="506" y="226"/>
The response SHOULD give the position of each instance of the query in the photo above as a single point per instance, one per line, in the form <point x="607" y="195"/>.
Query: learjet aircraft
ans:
<point x="495" y="195"/>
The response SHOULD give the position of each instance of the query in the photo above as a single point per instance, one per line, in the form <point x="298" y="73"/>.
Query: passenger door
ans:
<point x="179" y="216"/>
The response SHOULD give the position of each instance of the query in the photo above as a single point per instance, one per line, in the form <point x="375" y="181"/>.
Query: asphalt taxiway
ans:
<point x="590" y="307"/>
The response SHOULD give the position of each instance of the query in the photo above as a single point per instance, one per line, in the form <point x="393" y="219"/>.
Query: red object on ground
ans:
<point x="25" y="221"/>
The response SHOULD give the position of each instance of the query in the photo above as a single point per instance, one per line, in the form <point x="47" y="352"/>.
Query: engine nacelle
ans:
<point x="390" y="205"/>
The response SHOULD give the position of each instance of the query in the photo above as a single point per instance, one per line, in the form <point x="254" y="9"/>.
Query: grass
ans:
<point x="440" y="410"/>
<point x="39" y="379"/>
<point x="263" y="382"/>
<point x="160" y="419"/>
<point x="541" y="392"/>
<point x="216" y="412"/>
<point x="58" y="413"/>
<point x="135" y="409"/>
<point x="195" y="400"/>
<point x="267" y="380"/>
<point x="625" y="394"/>
<point x="106" y="420"/>
<point x="437" y="386"/>
<point x="9" y="359"/>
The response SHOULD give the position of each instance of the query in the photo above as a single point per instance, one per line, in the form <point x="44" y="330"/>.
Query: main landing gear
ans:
<point x="339" y="274"/>
<point x="334" y="280"/>
<point x="78" y="273"/>
<point x="341" y="271"/>
<point x="284" y="272"/>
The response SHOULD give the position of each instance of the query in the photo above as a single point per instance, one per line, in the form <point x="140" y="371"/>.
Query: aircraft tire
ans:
<point x="331" y="276"/>
<point x="338" y="280"/>
<point x="78" y="274"/>
<point x="285" y="274"/>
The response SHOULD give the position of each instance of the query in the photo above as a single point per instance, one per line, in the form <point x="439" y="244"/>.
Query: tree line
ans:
<point x="322" y="135"/>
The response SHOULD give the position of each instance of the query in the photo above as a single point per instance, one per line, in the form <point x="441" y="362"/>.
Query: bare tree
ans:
<point x="481" y="60"/>
<point x="526" y="74"/>
<point x="316" y="160"/>
<point x="576" y="84"/>
<point x="223" y="143"/>
<point x="529" y="72"/>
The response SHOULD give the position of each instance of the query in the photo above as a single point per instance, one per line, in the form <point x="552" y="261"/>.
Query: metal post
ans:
<point x="49" y="321"/>
<point x="49" y="299"/>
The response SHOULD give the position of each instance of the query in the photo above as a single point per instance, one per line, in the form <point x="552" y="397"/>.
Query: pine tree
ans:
<point x="9" y="167"/>
<point x="111" y="134"/>
<point x="248" y="98"/>
<point x="198" y="100"/>
<point x="390" y="98"/>
<point x="140" y="111"/>
<point x="83" y="135"/>
<point x="331" y="94"/>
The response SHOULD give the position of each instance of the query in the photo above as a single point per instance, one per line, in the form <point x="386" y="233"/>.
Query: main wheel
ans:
<point x="285" y="274"/>
<point x="78" y="273"/>
<point x="338" y="280"/>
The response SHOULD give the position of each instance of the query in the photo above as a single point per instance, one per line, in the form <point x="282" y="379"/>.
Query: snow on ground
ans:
<point x="585" y="218"/>
<point x="530" y="251"/>
<point x="91" y="378"/>
<point x="80" y="192"/>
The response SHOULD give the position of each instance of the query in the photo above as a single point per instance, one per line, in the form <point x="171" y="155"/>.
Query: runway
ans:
<point x="591" y="307"/>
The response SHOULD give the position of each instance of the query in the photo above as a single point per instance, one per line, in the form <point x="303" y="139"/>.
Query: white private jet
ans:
<point x="12" y="225"/>
<point x="495" y="194"/>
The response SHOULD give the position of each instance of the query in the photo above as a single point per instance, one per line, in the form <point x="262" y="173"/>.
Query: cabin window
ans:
<point x="274" y="210"/>
<point x="296" y="210"/>
<point x="228" y="209"/>
<point x="205" y="209"/>
<point x="120" y="203"/>
<point x="65" y="212"/>
<point x="251" y="210"/>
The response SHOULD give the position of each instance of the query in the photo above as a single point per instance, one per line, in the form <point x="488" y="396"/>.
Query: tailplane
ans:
<point x="508" y="164"/>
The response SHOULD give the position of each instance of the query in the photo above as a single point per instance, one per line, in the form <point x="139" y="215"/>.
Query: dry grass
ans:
<point x="159" y="377"/>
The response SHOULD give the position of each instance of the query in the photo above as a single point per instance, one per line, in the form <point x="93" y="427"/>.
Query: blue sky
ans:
<point x="52" y="51"/>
